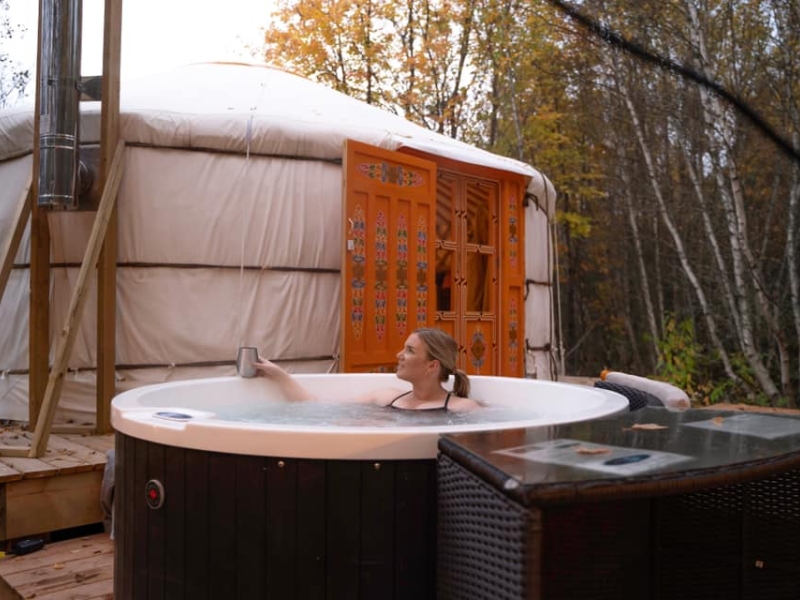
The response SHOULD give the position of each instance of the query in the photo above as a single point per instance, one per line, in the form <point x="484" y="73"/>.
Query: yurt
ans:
<point x="258" y="208"/>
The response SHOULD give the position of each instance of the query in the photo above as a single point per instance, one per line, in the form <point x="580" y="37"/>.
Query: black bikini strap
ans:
<point x="446" y="400"/>
<point x="400" y="396"/>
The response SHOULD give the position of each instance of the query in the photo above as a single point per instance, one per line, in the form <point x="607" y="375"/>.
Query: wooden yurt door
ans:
<point x="480" y="267"/>
<point x="389" y="248"/>
<point x="431" y="244"/>
<point x="467" y="282"/>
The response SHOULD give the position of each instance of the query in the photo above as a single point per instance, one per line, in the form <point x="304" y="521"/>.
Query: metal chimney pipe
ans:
<point x="59" y="76"/>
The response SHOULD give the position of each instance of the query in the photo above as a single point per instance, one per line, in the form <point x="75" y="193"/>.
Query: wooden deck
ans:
<point x="60" y="490"/>
<point x="41" y="496"/>
<point x="77" y="569"/>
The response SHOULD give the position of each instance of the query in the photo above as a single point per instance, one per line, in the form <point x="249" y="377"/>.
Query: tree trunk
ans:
<point x="733" y="204"/>
<point x="644" y="280"/>
<point x="792" y="259"/>
<point x="676" y="238"/>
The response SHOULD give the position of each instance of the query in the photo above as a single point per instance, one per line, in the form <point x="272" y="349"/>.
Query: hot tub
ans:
<point x="216" y="499"/>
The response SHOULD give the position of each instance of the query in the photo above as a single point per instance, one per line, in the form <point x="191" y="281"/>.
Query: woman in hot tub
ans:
<point x="426" y="361"/>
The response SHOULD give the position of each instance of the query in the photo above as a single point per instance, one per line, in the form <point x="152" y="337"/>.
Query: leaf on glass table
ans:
<point x="587" y="450"/>
<point x="648" y="426"/>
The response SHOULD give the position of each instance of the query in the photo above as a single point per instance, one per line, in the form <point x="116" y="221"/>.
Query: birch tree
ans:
<point x="787" y="62"/>
<point x="677" y="239"/>
<point x="746" y="281"/>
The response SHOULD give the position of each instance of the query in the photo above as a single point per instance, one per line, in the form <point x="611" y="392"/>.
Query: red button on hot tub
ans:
<point x="154" y="494"/>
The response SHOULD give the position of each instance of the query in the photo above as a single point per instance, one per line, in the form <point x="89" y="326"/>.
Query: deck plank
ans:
<point x="65" y="454"/>
<point x="57" y="552"/>
<point x="96" y="590"/>
<point x="79" y="568"/>
<point x="62" y="577"/>
<point x="88" y="458"/>
<point x="8" y="473"/>
<point x="29" y="467"/>
<point x="100" y="443"/>
<point x="43" y="504"/>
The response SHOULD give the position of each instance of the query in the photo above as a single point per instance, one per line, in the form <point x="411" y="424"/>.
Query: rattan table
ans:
<point x="650" y="504"/>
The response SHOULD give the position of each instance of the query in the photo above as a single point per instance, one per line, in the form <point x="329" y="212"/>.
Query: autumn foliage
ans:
<point x="678" y="221"/>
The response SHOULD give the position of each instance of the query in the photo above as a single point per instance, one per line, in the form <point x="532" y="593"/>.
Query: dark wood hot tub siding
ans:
<point x="235" y="526"/>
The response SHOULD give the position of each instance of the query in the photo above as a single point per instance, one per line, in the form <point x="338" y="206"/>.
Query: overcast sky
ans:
<point x="156" y="34"/>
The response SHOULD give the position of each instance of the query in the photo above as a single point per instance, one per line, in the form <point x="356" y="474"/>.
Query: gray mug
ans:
<point x="245" y="361"/>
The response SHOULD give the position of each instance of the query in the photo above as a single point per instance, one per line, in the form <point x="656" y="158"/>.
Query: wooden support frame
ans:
<point x="44" y="385"/>
<point x="9" y="251"/>
<point x="66" y="340"/>
<point x="67" y="335"/>
<point x="107" y="267"/>
<point x="39" y="317"/>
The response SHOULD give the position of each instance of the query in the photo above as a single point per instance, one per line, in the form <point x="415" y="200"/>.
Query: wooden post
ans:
<point x="66" y="338"/>
<point x="39" y="316"/>
<point x="107" y="267"/>
<point x="9" y="249"/>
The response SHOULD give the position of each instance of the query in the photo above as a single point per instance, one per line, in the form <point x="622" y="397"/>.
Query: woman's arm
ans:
<point x="287" y="384"/>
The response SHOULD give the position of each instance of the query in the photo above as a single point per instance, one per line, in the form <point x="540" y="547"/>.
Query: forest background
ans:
<point x="677" y="228"/>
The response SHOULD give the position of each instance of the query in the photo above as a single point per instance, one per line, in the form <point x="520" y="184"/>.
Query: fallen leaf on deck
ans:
<point x="717" y="420"/>
<point x="648" y="426"/>
<point x="585" y="450"/>
<point x="58" y="566"/>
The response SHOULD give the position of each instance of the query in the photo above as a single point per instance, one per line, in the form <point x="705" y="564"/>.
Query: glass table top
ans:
<point x="646" y="447"/>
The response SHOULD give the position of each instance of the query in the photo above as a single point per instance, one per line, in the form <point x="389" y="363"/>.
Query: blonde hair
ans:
<point x="442" y="347"/>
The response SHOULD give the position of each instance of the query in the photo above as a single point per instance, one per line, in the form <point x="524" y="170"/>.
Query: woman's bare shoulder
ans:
<point x="459" y="404"/>
<point x="382" y="396"/>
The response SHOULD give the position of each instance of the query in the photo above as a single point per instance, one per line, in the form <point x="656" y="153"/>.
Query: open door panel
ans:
<point x="389" y="253"/>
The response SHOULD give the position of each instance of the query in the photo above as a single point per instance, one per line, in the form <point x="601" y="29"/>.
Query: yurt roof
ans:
<point x="258" y="109"/>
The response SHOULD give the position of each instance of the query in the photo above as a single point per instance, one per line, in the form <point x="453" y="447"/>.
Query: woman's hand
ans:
<point x="267" y="368"/>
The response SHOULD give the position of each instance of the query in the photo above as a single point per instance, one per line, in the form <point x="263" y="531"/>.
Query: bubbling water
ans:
<point x="339" y="414"/>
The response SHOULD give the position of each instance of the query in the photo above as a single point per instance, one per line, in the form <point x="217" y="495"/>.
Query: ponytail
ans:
<point x="460" y="383"/>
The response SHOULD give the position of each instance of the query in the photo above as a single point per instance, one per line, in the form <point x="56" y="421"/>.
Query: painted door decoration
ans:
<point x="431" y="242"/>
<point x="511" y="303"/>
<point x="388" y="286"/>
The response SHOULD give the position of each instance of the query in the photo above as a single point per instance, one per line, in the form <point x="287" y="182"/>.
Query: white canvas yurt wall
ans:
<point x="229" y="217"/>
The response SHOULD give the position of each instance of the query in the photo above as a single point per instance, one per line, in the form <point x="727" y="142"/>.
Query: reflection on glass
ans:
<point x="478" y="214"/>
<point x="479" y="197"/>
<point x="444" y="279"/>
<point x="477" y="282"/>
<point x="445" y="192"/>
